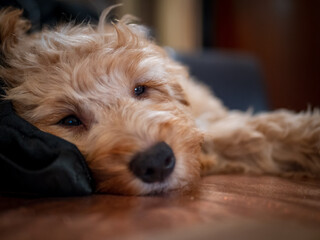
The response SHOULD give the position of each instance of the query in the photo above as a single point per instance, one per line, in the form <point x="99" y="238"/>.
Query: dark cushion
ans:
<point x="234" y="78"/>
<point x="33" y="162"/>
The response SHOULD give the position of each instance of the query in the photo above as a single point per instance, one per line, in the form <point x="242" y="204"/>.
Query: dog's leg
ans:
<point x="280" y="143"/>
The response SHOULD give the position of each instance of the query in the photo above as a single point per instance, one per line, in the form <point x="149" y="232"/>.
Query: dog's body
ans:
<point x="142" y="124"/>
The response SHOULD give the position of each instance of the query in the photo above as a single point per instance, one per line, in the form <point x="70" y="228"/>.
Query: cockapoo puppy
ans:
<point x="143" y="125"/>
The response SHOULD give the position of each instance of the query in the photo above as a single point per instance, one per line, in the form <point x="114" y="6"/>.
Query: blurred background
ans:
<point x="282" y="36"/>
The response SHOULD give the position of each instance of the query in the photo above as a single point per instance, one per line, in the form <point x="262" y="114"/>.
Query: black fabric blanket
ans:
<point x="36" y="163"/>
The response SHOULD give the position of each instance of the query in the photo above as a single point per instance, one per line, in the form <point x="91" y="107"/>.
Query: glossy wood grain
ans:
<point x="224" y="207"/>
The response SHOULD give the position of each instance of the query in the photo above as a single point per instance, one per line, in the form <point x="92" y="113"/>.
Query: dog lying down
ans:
<point x="143" y="125"/>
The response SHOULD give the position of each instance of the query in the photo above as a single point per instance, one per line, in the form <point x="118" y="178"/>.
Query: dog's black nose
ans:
<point x="155" y="164"/>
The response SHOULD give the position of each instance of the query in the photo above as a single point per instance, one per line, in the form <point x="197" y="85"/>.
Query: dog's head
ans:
<point x="112" y="92"/>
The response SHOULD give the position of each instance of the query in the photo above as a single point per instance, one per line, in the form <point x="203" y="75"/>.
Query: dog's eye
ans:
<point x="70" y="121"/>
<point x="138" y="90"/>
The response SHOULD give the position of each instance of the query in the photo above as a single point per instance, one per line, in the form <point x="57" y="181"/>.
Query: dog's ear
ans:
<point x="12" y="28"/>
<point x="179" y="94"/>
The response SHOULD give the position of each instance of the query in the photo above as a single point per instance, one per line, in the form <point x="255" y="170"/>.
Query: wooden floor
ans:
<point x="224" y="207"/>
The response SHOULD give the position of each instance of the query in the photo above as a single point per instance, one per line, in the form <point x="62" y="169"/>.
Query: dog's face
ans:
<point x="111" y="92"/>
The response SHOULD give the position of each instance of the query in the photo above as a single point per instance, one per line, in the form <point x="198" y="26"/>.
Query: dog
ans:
<point x="142" y="123"/>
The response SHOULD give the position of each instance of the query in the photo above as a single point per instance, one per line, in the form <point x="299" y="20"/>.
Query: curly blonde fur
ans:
<point x="91" y="71"/>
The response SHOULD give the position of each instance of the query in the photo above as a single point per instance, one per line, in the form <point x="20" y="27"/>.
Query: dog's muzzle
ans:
<point x="154" y="164"/>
